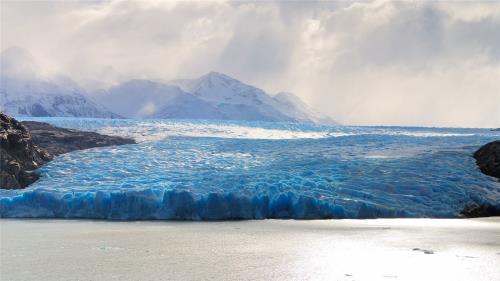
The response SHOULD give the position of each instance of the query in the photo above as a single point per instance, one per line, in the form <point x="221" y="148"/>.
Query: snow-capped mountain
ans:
<point x="234" y="99"/>
<point x="212" y="96"/>
<point x="25" y="92"/>
<point x="237" y="100"/>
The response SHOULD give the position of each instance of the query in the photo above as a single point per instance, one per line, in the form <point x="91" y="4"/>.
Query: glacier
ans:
<point x="218" y="170"/>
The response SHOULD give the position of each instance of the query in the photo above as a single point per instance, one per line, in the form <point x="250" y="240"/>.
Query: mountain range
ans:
<point x="24" y="92"/>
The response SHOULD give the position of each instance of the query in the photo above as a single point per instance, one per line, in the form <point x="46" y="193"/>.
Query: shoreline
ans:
<point x="489" y="218"/>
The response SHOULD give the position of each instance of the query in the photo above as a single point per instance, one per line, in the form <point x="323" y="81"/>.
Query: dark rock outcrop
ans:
<point x="488" y="159"/>
<point x="475" y="210"/>
<point x="19" y="156"/>
<point x="60" y="140"/>
<point x="25" y="146"/>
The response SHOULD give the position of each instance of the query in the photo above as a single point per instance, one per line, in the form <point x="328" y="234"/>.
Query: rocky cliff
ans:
<point x="25" y="146"/>
<point x="488" y="159"/>
<point x="19" y="156"/>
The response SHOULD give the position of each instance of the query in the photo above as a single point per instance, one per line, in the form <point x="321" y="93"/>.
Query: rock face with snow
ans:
<point x="25" y="92"/>
<point x="212" y="96"/>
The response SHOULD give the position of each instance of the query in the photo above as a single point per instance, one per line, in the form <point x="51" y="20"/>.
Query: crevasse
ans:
<point x="210" y="170"/>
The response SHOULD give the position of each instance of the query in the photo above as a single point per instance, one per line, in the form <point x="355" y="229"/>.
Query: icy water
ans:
<point x="339" y="250"/>
<point x="207" y="170"/>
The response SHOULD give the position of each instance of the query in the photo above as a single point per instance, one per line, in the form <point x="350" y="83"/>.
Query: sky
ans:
<point x="362" y="63"/>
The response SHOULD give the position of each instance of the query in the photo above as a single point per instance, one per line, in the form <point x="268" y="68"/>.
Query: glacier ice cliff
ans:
<point x="210" y="170"/>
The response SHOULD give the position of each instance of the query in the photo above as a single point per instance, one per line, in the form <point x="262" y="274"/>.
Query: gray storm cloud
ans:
<point x="373" y="63"/>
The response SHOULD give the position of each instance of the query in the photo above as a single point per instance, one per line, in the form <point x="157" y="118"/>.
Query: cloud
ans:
<point x="389" y="63"/>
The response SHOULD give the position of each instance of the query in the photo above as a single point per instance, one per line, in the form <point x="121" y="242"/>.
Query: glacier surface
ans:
<point x="210" y="170"/>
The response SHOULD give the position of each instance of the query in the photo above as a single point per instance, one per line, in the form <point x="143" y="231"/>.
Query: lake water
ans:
<point x="343" y="250"/>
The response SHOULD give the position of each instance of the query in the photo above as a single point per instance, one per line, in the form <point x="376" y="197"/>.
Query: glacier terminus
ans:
<point x="213" y="170"/>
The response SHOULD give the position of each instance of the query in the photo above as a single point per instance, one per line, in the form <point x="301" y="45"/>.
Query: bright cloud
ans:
<point x="389" y="63"/>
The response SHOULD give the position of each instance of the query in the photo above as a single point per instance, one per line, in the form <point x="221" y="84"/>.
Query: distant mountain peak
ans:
<point x="228" y="94"/>
<point x="214" y="95"/>
<point x="217" y="75"/>
<point x="214" y="78"/>
<point x="25" y="92"/>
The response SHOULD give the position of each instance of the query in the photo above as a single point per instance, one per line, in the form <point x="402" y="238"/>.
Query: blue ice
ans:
<point x="212" y="170"/>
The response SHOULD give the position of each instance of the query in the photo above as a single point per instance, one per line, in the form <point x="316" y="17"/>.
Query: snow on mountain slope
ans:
<point x="239" y="101"/>
<point x="25" y="92"/>
<point x="148" y="99"/>
<point x="212" y="96"/>
<point x="219" y="88"/>
<point x="21" y="97"/>
<point x="234" y="99"/>
<point x="291" y="105"/>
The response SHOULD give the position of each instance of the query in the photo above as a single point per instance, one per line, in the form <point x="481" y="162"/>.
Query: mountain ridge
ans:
<point x="24" y="91"/>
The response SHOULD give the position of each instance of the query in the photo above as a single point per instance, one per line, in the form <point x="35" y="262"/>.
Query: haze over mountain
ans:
<point x="215" y="95"/>
<point x="212" y="96"/>
<point x="25" y="92"/>
<point x="394" y="63"/>
<point x="150" y="99"/>
<point x="236" y="99"/>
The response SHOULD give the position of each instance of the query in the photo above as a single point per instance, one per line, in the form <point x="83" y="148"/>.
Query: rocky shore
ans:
<point x="25" y="146"/>
<point x="488" y="159"/>
<point x="19" y="156"/>
<point x="57" y="140"/>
